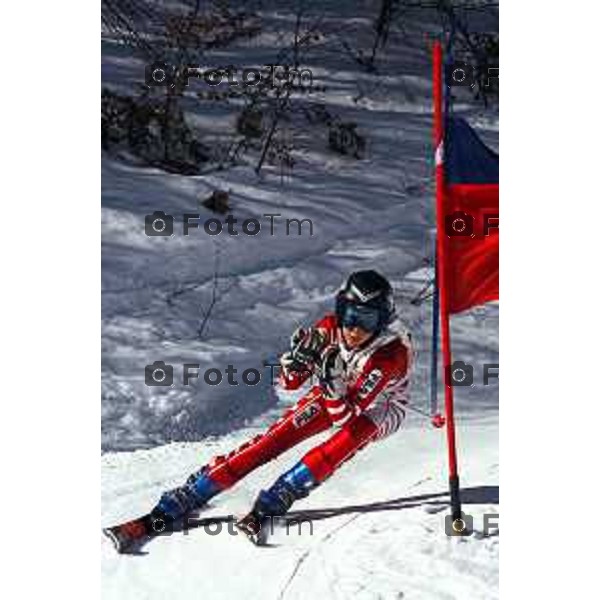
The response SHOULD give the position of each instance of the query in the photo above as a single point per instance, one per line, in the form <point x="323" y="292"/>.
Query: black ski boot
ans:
<point x="257" y="525"/>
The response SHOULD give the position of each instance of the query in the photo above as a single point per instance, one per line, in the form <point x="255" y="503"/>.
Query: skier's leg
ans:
<point x="322" y="461"/>
<point x="316" y="466"/>
<point x="307" y="418"/>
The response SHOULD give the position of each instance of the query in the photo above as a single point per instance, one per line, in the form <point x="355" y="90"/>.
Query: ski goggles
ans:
<point x="350" y="315"/>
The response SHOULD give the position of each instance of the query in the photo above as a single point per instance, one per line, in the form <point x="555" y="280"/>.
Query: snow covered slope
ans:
<point x="377" y="527"/>
<point x="378" y="524"/>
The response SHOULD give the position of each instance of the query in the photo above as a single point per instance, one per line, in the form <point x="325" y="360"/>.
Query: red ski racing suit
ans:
<point x="367" y="403"/>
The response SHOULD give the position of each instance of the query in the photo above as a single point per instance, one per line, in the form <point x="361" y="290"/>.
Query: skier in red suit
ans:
<point x="357" y="364"/>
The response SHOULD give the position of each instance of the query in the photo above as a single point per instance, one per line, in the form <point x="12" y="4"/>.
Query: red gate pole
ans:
<point x="438" y="138"/>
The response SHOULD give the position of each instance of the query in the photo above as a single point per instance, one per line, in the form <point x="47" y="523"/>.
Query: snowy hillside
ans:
<point x="378" y="525"/>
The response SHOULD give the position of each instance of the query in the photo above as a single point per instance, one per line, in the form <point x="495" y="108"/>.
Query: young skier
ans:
<point x="359" y="359"/>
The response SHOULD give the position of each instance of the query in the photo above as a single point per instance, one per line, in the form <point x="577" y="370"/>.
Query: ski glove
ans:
<point x="307" y="346"/>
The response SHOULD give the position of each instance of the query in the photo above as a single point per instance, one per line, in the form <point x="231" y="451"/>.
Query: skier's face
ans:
<point x="355" y="336"/>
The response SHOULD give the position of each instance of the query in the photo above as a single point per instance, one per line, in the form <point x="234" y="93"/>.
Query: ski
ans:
<point x="129" y="537"/>
<point x="255" y="529"/>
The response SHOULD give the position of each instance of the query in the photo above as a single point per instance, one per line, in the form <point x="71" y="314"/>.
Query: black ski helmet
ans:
<point x="366" y="299"/>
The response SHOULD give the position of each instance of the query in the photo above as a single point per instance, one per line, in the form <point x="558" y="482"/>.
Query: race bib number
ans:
<point x="369" y="384"/>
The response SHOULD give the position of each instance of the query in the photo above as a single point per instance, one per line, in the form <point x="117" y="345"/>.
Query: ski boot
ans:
<point x="166" y="516"/>
<point x="257" y="525"/>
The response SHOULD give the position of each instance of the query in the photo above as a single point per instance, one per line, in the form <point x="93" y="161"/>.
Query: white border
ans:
<point x="50" y="336"/>
<point x="549" y="299"/>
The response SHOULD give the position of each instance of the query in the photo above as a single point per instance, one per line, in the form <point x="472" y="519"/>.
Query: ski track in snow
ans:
<point x="378" y="523"/>
<point x="306" y="554"/>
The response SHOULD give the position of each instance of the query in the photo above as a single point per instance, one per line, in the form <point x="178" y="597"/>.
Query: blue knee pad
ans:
<point x="296" y="483"/>
<point x="198" y="489"/>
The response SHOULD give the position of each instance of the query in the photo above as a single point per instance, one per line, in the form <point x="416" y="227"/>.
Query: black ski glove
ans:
<point x="307" y="346"/>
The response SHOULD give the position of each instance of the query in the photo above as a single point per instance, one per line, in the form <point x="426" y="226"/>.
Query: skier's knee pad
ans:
<point x="296" y="483"/>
